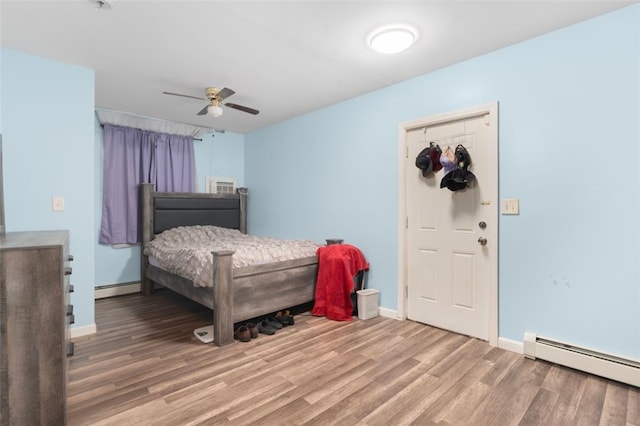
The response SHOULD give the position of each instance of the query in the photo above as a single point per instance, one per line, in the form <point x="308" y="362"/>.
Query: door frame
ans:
<point x="403" y="129"/>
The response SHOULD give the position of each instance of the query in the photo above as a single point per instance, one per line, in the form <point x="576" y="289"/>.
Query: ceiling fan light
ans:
<point x="392" y="38"/>
<point x="214" y="110"/>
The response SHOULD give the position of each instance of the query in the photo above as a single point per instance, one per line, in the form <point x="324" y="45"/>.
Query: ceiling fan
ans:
<point x="215" y="96"/>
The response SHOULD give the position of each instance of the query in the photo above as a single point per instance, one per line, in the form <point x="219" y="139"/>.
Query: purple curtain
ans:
<point x="134" y="156"/>
<point x="173" y="163"/>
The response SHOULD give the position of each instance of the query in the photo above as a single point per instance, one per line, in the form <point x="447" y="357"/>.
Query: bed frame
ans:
<point x="236" y="294"/>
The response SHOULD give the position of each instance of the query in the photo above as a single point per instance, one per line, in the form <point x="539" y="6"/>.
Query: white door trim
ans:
<point x="403" y="129"/>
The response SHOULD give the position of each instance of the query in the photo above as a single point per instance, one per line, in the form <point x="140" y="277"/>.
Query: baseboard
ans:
<point x="510" y="345"/>
<point x="388" y="313"/>
<point x="116" y="290"/>
<point x="82" y="331"/>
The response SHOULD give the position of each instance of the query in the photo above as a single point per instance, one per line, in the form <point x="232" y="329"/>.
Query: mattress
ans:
<point x="186" y="250"/>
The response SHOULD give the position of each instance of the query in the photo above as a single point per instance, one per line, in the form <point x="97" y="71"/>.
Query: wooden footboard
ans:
<point x="245" y="293"/>
<point x="255" y="291"/>
<point x="235" y="294"/>
<point x="223" y="300"/>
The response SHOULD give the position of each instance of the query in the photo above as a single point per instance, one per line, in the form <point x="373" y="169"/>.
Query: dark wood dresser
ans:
<point x="35" y="314"/>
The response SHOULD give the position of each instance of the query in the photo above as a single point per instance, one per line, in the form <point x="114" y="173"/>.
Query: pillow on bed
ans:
<point x="198" y="232"/>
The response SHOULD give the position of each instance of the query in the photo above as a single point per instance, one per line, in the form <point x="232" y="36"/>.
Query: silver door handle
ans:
<point x="482" y="241"/>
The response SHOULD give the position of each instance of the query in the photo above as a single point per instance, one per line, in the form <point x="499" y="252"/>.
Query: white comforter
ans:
<point x="186" y="250"/>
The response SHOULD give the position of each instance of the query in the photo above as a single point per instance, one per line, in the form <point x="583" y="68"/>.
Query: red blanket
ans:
<point x="337" y="265"/>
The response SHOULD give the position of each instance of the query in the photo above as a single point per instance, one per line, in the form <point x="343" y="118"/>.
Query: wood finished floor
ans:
<point x="145" y="367"/>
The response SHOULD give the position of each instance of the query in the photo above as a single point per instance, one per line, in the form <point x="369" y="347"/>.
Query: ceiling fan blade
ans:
<point x="186" y="96"/>
<point x="203" y="111"/>
<point x="243" y="108"/>
<point x="225" y="93"/>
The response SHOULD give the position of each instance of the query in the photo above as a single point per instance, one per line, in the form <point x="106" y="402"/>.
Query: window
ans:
<point x="135" y="156"/>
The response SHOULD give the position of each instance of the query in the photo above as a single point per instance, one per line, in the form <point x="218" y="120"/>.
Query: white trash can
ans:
<point x="368" y="303"/>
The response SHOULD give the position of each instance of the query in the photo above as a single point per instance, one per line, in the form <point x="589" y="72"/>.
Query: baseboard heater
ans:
<point x="613" y="367"/>
<point x="105" y="291"/>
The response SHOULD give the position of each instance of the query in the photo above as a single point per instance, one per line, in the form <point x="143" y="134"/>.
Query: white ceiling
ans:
<point x="285" y="58"/>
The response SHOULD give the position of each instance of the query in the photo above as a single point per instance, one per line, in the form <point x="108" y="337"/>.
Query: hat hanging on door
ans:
<point x="424" y="163"/>
<point x="460" y="177"/>
<point x="448" y="160"/>
<point x="429" y="159"/>
<point x="435" y="152"/>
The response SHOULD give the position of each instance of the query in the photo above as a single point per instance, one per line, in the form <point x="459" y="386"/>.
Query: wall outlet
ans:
<point x="510" y="206"/>
<point x="57" y="204"/>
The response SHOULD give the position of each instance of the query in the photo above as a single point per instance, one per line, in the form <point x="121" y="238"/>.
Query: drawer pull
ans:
<point x="70" y="288"/>
<point x="67" y="270"/>
<point x="72" y="319"/>
<point x="70" y="258"/>
<point x="70" y="348"/>
<point x="69" y="310"/>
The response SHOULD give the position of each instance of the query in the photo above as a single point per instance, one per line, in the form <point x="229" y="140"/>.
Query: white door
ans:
<point x="452" y="245"/>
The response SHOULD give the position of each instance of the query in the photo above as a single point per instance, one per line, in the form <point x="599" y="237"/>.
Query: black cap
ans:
<point x="423" y="162"/>
<point x="463" y="159"/>
<point x="458" y="178"/>
<point x="449" y="182"/>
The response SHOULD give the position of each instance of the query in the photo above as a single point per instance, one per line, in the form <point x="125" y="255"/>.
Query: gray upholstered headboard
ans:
<point x="170" y="212"/>
<point x="165" y="210"/>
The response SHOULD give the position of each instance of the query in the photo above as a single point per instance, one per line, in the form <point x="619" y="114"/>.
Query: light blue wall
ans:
<point x="48" y="141"/>
<point x="569" y="135"/>
<point x="220" y="155"/>
<point x="60" y="153"/>
<point x="217" y="154"/>
<point x="569" y="132"/>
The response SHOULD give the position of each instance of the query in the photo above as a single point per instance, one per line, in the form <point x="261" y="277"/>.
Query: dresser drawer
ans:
<point x="35" y="313"/>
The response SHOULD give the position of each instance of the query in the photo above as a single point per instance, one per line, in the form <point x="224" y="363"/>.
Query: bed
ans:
<point x="235" y="294"/>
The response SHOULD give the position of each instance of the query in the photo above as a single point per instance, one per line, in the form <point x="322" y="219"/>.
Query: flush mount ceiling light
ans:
<point x="101" y="4"/>
<point x="392" y="38"/>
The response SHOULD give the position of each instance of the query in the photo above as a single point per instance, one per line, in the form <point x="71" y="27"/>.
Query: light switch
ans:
<point x="510" y="206"/>
<point x="57" y="204"/>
